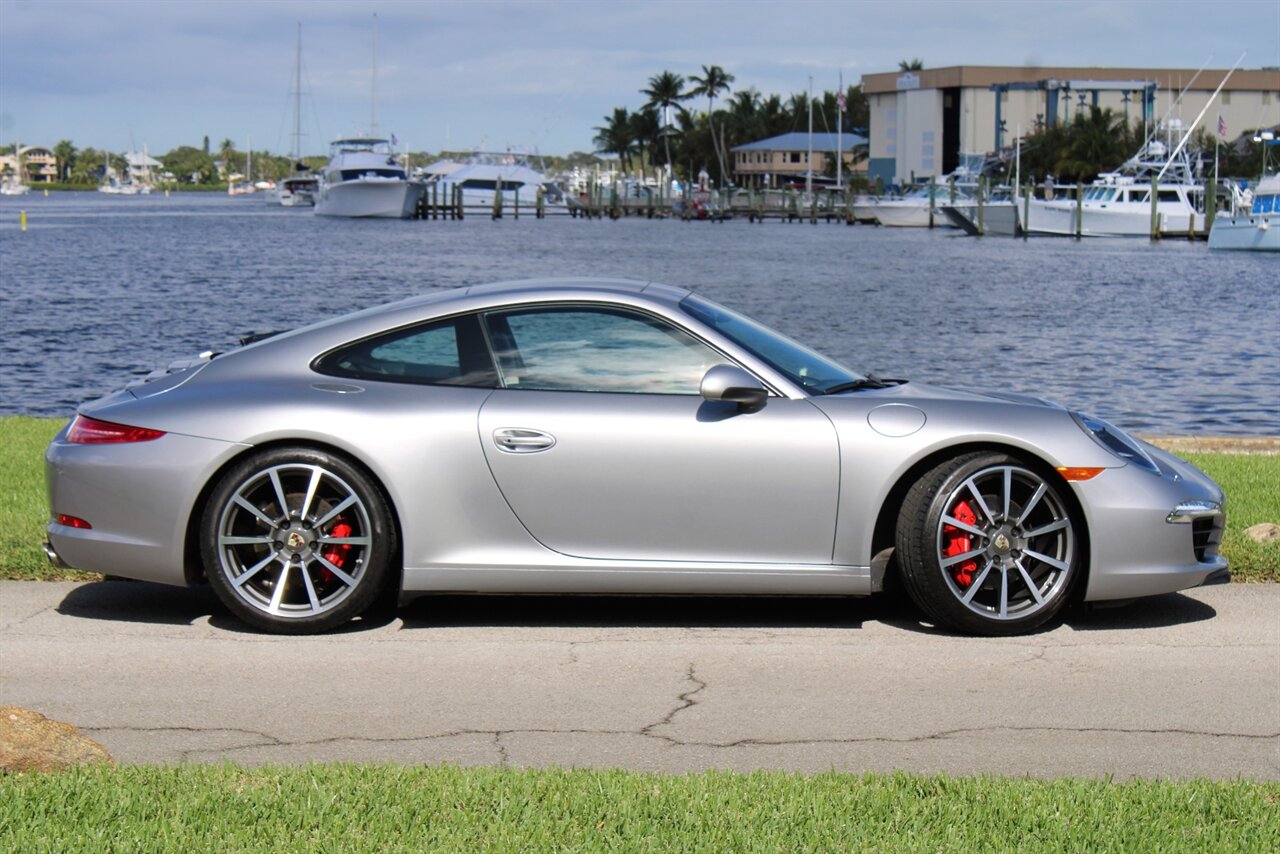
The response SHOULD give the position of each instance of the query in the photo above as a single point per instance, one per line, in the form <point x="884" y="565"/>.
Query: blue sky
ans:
<point x="530" y="75"/>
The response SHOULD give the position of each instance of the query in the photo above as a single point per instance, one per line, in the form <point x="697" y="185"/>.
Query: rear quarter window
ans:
<point x="446" y="352"/>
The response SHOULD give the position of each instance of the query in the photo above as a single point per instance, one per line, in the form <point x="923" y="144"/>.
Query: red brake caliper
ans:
<point x="959" y="542"/>
<point x="337" y="554"/>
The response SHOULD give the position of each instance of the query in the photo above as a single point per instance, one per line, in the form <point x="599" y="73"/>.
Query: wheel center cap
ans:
<point x="296" y="541"/>
<point x="1001" y="543"/>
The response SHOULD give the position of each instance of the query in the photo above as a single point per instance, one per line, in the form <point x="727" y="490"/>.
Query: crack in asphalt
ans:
<point x="268" y="740"/>
<point x="24" y="620"/>
<point x="684" y="701"/>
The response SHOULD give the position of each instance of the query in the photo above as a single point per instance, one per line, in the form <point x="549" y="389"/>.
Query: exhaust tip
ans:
<point x="54" y="558"/>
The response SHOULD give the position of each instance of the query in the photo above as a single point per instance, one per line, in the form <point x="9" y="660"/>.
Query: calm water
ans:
<point x="1160" y="338"/>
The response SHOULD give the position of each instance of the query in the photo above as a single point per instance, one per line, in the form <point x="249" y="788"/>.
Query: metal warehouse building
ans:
<point x="922" y="120"/>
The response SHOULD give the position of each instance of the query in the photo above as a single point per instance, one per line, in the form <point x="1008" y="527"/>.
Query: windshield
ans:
<point x="812" y="371"/>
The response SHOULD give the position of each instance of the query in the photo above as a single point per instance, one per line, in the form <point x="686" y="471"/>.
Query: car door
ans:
<point x="601" y="445"/>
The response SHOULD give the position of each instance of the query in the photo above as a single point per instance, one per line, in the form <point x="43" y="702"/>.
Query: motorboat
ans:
<point x="12" y="186"/>
<point x="999" y="217"/>
<point x="298" y="190"/>
<point x="1255" y="227"/>
<point x="364" y="179"/>
<point x="487" y="173"/>
<point x="1118" y="204"/>
<point x="919" y="206"/>
<point x="914" y="209"/>
<point x="128" y="187"/>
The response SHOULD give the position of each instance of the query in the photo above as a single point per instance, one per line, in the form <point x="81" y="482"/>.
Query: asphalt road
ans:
<point x="1181" y="685"/>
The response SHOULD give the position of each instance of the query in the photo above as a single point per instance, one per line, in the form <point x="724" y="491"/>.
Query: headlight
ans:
<point x="1115" y="440"/>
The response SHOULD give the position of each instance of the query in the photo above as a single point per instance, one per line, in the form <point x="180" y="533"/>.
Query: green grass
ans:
<point x="394" y="808"/>
<point x="1252" y="483"/>
<point x="24" y="504"/>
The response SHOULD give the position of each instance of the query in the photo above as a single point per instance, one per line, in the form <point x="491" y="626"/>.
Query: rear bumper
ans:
<point x="138" y="497"/>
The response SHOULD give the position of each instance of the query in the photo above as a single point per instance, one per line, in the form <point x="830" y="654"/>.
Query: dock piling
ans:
<point x="1079" y="209"/>
<point x="1155" y="212"/>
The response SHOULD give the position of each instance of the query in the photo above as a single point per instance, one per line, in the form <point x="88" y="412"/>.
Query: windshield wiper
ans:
<point x="869" y="381"/>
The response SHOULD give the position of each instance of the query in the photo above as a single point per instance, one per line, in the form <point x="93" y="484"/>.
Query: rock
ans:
<point x="1263" y="532"/>
<point x="31" y="742"/>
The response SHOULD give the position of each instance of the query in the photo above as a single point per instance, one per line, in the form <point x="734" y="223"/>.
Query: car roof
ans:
<point x="475" y="297"/>
<point x="520" y="288"/>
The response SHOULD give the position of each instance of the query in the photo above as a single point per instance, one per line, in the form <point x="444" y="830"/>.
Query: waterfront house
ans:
<point x="779" y="160"/>
<point x="37" y="164"/>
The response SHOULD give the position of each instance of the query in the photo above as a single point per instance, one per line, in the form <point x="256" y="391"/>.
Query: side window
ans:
<point x="447" y="352"/>
<point x="576" y="348"/>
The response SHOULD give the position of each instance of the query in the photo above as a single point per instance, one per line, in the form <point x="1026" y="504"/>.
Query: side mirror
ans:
<point x="733" y="384"/>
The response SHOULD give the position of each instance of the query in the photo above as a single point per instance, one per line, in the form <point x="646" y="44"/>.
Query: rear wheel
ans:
<point x="296" y="540"/>
<point x="988" y="544"/>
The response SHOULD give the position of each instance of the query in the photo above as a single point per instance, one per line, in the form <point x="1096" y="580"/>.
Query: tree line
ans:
<point x="1100" y="140"/>
<point x="202" y="166"/>
<point x="667" y="129"/>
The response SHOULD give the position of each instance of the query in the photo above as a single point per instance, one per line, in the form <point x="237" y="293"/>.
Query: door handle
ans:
<point x="518" y="440"/>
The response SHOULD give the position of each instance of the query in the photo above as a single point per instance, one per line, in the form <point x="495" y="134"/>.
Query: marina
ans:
<point x="1090" y="324"/>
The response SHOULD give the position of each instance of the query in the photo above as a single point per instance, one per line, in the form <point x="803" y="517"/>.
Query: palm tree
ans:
<point x="226" y="151"/>
<point x="1095" y="143"/>
<point x="911" y="64"/>
<point x="665" y="91"/>
<point x="617" y="136"/>
<point x="711" y="83"/>
<point x="65" y="153"/>
<point x="645" y="130"/>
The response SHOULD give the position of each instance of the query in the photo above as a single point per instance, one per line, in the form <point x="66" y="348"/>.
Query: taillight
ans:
<point x="73" y="521"/>
<point x="91" y="431"/>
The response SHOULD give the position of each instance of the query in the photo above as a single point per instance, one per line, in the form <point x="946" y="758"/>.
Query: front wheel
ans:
<point x="296" y="540"/>
<point x="988" y="545"/>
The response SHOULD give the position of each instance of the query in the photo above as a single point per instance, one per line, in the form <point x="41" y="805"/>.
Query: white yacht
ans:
<point x="1256" y="227"/>
<point x="912" y="210"/>
<point x="486" y="174"/>
<point x="999" y="216"/>
<point x="298" y="190"/>
<point x="1118" y="204"/>
<point x="11" y="185"/>
<point x="364" y="179"/>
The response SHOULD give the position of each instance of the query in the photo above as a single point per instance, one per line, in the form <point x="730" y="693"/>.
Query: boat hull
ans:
<point x="897" y="215"/>
<point x="1059" y="218"/>
<point x="998" y="218"/>
<point x="385" y="199"/>
<point x="1258" y="233"/>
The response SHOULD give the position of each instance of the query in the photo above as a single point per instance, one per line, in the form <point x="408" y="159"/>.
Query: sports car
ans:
<point x="607" y="437"/>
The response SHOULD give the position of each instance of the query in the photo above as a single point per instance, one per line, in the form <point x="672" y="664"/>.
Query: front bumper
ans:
<point x="1153" y="533"/>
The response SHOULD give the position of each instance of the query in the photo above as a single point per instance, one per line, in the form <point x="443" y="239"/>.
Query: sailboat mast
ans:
<point x="840" y="133"/>
<point x="808" y="175"/>
<point x="297" y="101"/>
<point x="373" y="109"/>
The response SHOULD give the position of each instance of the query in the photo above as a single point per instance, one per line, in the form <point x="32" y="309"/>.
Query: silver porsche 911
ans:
<point x="607" y="437"/>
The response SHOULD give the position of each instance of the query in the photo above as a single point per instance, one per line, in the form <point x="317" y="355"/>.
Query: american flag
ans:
<point x="395" y="141"/>
<point x="1222" y="126"/>
<point x="840" y="100"/>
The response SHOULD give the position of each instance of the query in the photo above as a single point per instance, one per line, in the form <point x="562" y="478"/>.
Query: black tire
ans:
<point x="313" y="565"/>
<point x="975" y="562"/>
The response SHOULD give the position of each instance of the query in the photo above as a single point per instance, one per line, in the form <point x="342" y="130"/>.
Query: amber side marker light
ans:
<point x="1079" y="473"/>
<point x="91" y="431"/>
<point x="72" y="521"/>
